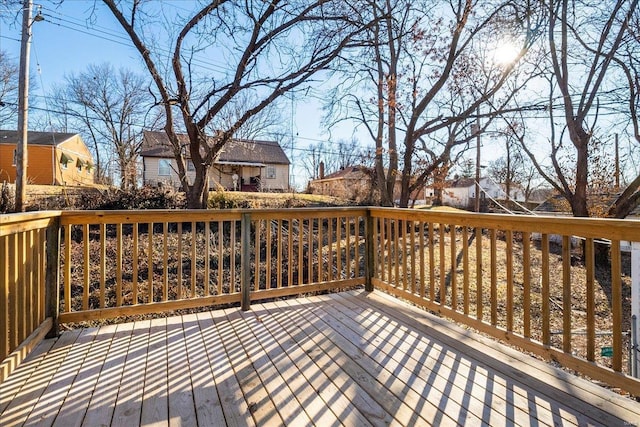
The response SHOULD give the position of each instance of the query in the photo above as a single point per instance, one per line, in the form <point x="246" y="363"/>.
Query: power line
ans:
<point x="106" y="34"/>
<point x="88" y="117"/>
<point x="10" y="38"/>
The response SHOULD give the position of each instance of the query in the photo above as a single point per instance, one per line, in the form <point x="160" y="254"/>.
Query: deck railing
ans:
<point x="128" y="263"/>
<point x="28" y="270"/>
<point x="532" y="282"/>
<point x="529" y="281"/>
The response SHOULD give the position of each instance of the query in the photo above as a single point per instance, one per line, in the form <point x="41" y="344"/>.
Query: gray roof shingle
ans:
<point x="156" y="144"/>
<point x="35" y="138"/>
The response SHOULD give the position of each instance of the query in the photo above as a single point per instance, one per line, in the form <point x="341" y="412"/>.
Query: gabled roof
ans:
<point x="350" y="172"/>
<point x="461" y="183"/>
<point x="156" y="144"/>
<point x="35" y="138"/>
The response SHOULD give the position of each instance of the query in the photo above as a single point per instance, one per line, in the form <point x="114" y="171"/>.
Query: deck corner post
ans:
<point x="245" y="264"/>
<point x="52" y="276"/>
<point x="369" y="264"/>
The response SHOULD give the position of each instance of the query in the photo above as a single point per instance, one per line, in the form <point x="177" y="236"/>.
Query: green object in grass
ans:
<point x="606" y="351"/>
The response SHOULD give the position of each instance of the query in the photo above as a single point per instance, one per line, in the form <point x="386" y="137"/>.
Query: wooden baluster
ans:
<point x="279" y="255"/>
<point x="442" y="263"/>
<point x="526" y="266"/>
<point x="268" y="261"/>
<point x="616" y="305"/>
<point x="232" y="257"/>
<point x="220" y="257"/>
<point x="566" y="294"/>
<point x="422" y="283"/>
<point x="310" y="251"/>
<point x="290" y="260"/>
<point x="103" y="264"/>
<point x="118" y="265"/>
<point x="300" y="251"/>
<point x="179" y="293"/>
<point x="256" y="249"/>
<point x="465" y="270"/>
<point x="494" y="278"/>
<point x="134" y="255"/>
<point x="207" y="258"/>
<point x="67" y="268"/>
<point x="194" y="258"/>
<point x="509" y="284"/>
<point x="338" y="248"/>
<point x="546" y="293"/>
<point x="479" y="298"/>
<point x="454" y="267"/>
<point x="432" y="267"/>
<point x="590" y="297"/>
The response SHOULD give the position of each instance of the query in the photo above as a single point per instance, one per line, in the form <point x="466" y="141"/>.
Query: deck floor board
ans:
<point x="351" y="359"/>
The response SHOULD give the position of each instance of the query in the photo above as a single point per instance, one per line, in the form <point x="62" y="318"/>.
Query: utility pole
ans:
<point x="23" y="107"/>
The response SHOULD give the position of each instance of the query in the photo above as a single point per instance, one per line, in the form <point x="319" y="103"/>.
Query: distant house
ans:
<point x="461" y="192"/>
<point x="353" y="183"/>
<point x="53" y="158"/>
<point x="256" y="165"/>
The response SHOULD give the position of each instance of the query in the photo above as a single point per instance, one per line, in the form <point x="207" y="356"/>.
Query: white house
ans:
<point x="461" y="192"/>
<point x="255" y="165"/>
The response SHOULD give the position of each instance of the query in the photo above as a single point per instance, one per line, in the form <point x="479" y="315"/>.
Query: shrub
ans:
<point x="7" y="199"/>
<point x="142" y="198"/>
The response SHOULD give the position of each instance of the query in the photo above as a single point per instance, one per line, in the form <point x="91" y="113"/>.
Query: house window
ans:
<point x="65" y="160"/>
<point x="79" y="164"/>
<point x="164" y="167"/>
<point x="190" y="166"/>
<point x="271" y="172"/>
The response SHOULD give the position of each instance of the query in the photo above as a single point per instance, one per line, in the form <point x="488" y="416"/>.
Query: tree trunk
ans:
<point x="198" y="194"/>
<point x="579" y="199"/>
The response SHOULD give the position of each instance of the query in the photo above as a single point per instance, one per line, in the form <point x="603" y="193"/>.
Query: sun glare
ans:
<point x="506" y="53"/>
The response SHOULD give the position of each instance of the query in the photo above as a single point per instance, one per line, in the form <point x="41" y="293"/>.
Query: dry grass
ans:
<point x="495" y="292"/>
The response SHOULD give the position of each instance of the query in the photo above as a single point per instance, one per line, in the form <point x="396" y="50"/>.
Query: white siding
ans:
<point x="220" y="175"/>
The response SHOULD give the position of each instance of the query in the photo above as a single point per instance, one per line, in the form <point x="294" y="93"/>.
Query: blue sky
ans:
<point x="69" y="41"/>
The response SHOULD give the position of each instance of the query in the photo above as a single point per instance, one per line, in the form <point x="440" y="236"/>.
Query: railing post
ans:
<point x="368" y="252"/>
<point x="52" y="276"/>
<point x="245" y="264"/>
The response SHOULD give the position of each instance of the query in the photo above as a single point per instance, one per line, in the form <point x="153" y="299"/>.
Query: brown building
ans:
<point x="53" y="158"/>
<point x="353" y="183"/>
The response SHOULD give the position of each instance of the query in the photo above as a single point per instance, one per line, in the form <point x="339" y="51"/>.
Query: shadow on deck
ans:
<point x="351" y="358"/>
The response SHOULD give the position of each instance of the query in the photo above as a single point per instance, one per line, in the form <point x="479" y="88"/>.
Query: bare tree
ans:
<point x="334" y="156"/>
<point x="583" y="39"/>
<point x="263" y="48"/>
<point x="431" y="72"/>
<point x="312" y="160"/>
<point x="8" y="88"/>
<point x="268" y="123"/>
<point x="628" y="61"/>
<point x="110" y="106"/>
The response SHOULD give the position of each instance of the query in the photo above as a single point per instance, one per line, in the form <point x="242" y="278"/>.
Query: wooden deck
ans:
<point x="342" y="359"/>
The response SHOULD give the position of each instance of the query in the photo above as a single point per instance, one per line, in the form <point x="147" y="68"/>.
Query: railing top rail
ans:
<point x="21" y="222"/>
<point x="627" y="229"/>
<point x="164" y="215"/>
<point x="27" y="216"/>
<point x="617" y="229"/>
